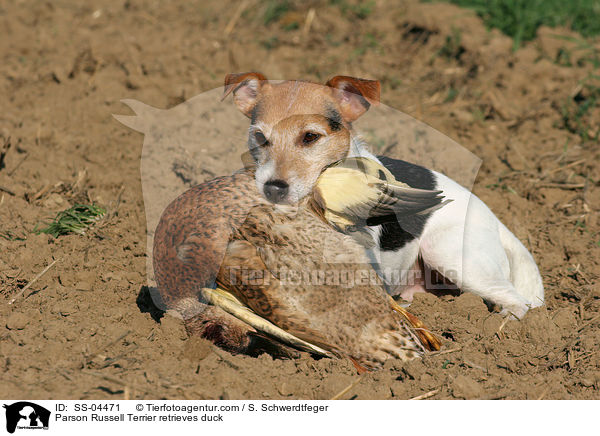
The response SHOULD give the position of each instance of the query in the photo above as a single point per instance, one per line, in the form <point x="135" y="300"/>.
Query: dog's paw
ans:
<point x="516" y="312"/>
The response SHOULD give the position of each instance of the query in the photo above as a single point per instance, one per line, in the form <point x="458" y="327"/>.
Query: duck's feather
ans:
<point x="226" y="301"/>
<point x="356" y="191"/>
<point x="245" y="275"/>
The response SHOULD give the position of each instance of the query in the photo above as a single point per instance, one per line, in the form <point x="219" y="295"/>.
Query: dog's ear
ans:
<point x="355" y="96"/>
<point x="245" y="87"/>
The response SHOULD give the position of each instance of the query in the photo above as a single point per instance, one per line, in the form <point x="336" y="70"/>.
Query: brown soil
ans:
<point x="87" y="328"/>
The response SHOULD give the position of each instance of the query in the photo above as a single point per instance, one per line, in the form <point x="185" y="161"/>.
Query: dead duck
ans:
<point x="286" y="279"/>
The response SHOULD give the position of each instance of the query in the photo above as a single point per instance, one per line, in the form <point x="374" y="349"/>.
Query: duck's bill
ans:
<point x="226" y="301"/>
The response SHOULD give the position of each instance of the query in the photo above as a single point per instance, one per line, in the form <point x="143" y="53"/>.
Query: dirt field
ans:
<point x="87" y="328"/>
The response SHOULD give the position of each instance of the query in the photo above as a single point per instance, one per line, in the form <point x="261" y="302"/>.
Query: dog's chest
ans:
<point x="394" y="266"/>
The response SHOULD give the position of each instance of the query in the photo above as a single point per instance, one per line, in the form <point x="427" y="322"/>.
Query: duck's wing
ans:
<point x="230" y="304"/>
<point x="357" y="190"/>
<point x="244" y="274"/>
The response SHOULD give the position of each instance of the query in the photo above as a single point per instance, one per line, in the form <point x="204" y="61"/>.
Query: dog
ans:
<point x="299" y="128"/>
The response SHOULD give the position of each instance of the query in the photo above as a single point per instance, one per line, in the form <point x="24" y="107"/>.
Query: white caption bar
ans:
<point x="149" y="417"/>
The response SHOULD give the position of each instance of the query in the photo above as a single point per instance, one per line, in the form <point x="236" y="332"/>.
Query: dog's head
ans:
<point x="298" y="128"/>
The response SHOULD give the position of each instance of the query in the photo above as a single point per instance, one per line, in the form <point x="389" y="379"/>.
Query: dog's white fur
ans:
<point x="465" y="241"/>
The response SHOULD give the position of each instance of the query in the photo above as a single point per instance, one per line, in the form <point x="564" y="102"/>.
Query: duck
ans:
<point x="255" y="277"/>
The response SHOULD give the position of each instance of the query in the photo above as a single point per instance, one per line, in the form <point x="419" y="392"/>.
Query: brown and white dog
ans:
<point x="299" y="128"/>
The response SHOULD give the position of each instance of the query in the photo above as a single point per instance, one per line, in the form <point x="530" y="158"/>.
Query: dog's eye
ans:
<point x="260" y="139"/>
<point x="310" y="137"/>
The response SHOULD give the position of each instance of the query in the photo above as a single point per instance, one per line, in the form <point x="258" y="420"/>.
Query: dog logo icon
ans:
<point x="26" y="415"/>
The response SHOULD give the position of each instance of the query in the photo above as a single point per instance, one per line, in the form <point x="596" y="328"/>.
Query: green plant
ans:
<point x="501" y="185"/>
<point x="451" y="95"/>
<point x="291" y="26"/>
<point x="452" y="48"/>
<point x="478" y="114"/>
<point x="76" y="219"/>
<point x="578" y="112"/>
<point x="520" y="19"/>
<point x="367" y="42"/>
<point x="393" y="82"/>
<point x="361" y="10"/>
<point x="563" y="57"/>
<point x="270" y="43"/>
<point x="373" y="139"/>
<point x="275" y="10"/>
<point x="588" y="53"/>
<point x="11" y="236"/>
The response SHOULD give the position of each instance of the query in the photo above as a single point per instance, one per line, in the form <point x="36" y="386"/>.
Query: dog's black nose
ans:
<point x="276" y="190"/>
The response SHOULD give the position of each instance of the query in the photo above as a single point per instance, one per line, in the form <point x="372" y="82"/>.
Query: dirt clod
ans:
<point x="17" y="321"/>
